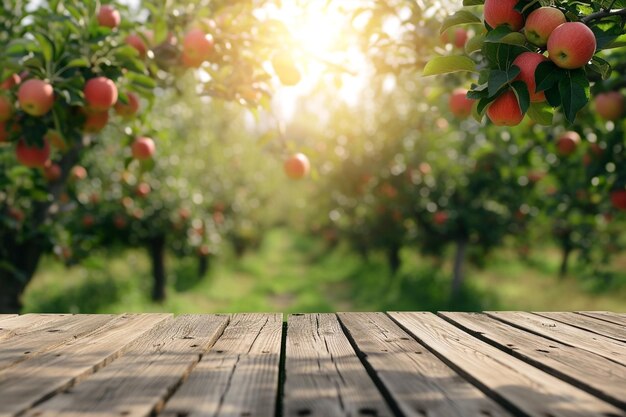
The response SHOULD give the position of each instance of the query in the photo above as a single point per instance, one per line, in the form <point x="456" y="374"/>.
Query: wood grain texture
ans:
<point x="59" y="368"/>
<point x="36" y="340"/>
<point x="605" y="316"/>
<point x="238" y="376"/>
<point x="564" y="333"/>
<point x="614" y="331"/>
<point x="140" y="381"/>
<point x="12" y="326"/>
<point x="324" y="377"/>
<point x="419" y="382"/>
<point x="521" y="386"/>
<point x="586" y="370"/>
<point x="7" y="316"/>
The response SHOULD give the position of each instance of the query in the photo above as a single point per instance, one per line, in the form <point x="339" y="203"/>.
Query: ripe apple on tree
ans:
<point x="10" y="82"/>
<point x="36" y="97"/>
<point x="567" y="143"/>
<point x="78" y="173"/>
<point x="618" y="199"/>
<point x="143" y="189"/>
<point x="297" y="166"/>
<point x="572" y="45"/>
<point x="502" y="12"/>
<point x="32" y="156"/>
<point x="197" y="48"/>
<point x="52" y="171"/>
<point x="285" y="68"/>
<point x="143" y="148"/>
<point x="505" y="110"/>
<point x="95" y="122"/>
<point x="128" y="109"/>
<point x="137" y="42"/>
<point x="541" y="23"/>
<point x="460" y="105"/>
<point x="109" y="17"/>
<point x="100" y="94"/>
<point x="610" y="105"/>
<point x="528" y="63"/>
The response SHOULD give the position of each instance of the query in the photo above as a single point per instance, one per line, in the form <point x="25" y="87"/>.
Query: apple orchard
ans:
<point x="156" y="126"/>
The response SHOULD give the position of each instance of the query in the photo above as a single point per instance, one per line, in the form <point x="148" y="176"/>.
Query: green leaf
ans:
<point x="474" y="44"/>
<point x="448" y="64"/>
<point x="80" y="62"/>
<point x="462" y="17"/>
<point x="547" y="75"/>
<point x="140" y="80"/>
<point x="574" y="90"/>
<point x="499" y="78"/>
<point x="523" y="96"/>
<point x="600" y="66"/>
<point x="46" y="45"/>
<point x="541" y="113"/>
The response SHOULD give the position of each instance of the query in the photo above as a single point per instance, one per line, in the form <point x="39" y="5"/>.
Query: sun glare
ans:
<point x="324" y="48"/>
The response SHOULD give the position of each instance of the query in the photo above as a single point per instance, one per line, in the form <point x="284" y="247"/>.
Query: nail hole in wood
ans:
<point x="184" y="414"/>
<point x="304" y="411"/>
<point x="27" y="352"/>
<point x="299" y="314"/>
<point x="486" y="413"/>
<point x="542" y="351"/>
<point x="124" y="413"/>
<point x="404" y="338"/>
<point x="418" y="352"/>
<point x="193" y="346"/>
<point x="219" y="351"/>
<point x="188" y="337"/>
<point x="54" y="331"/>
<point x="368" y="412"/>
<point x="246" y="414"/>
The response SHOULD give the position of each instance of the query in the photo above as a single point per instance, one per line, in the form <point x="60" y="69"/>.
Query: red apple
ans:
<point x="286" y="69"/>
<point x="460" y="37"/>
<point x="138" y="43"/>
<point x="32" y="156"/>
<point x="459" y="104"/>
<point x="36" y="97"/>
<point x="505" y="110"/>
<point x="17" y="214"/>
<point x="440" y="218"/>
<point x="572" y="45"/>
<point x="610" y="106"/>
<point x="143" y="189"/>
<point x="143" y="148"/>
<point x="541" y="23"/>
<point x="6" y="108"/>
<point x="567" y="143"/>
<point x="119" y="221"/>
<point x="51" y="171"/>
<point x="297" y="166"/>
<point x="95" y="122"/>
<point x="502" y="12"/>
<point x="78" y="173"/>
<point x="88" y="220"/>
<point x="197" y="48"/>
<point x="100" y="94"/>
<point x="204" y="251"/>
<point x="618" y="199"/>
<point x="128" y="109"/>
<point x="528" y="63"/>
<point x="109" y="17"/>
<point x="10" y="82"/>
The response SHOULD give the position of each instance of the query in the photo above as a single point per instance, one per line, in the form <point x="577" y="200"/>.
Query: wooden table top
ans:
<point x="346" y="364"/>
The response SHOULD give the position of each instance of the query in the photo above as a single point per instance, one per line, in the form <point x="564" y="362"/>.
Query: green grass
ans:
<point x="299" y="274"/>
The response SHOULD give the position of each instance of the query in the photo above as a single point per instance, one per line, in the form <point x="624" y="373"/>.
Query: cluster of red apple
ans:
<point x="570" y="45"/>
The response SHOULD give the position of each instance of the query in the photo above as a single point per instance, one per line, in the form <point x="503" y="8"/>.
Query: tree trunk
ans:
<point x="156" y="249"/>
<point x="393" y="258"/>
<point x="458" y="272"/>
<point x="203" y="265"/>
<point x="23" y="259"/>
<point x="564" y="269"/>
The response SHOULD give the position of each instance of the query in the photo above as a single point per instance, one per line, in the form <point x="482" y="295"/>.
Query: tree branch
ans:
<point x="602" y="14"/>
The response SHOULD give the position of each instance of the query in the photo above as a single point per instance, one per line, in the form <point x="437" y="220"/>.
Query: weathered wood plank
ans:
<point x="586" y="370"/>
<point x="33" y="342"/>
<point x="238" y="376"/>
<point x="614" y="331"/>
<point x="521" y="386"/>
<point x="419" y="382"/>
<point x="6" y="316"/>
<point x="614" y="318"/>
<point x="61" y="367"/>
<point x="324" y="377"/>
<point x="140" y="381"/>
<point x="12" y="326"/>
<point x="564" y="333"/>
